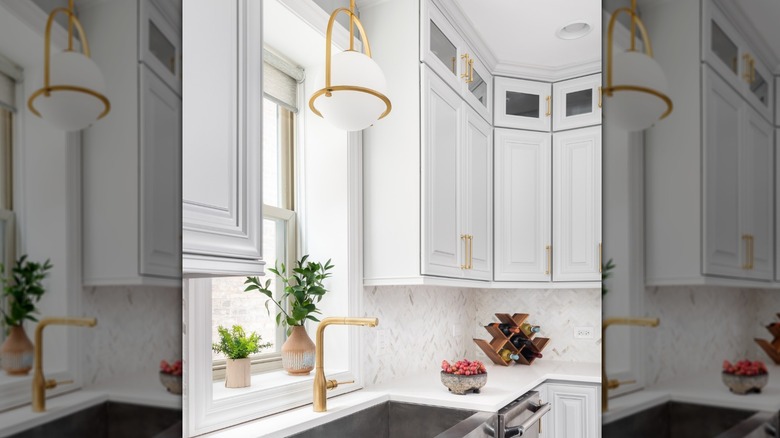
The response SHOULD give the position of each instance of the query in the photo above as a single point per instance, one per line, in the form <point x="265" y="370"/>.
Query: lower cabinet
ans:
<point x="575" y="411"/>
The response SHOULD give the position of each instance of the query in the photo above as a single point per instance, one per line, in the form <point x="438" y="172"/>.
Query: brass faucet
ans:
<point x="607" y="384"/>
<point x="39" y="383"/>
<point x="320" y="384"/>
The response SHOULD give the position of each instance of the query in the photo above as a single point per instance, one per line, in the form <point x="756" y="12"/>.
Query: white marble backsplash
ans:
<point x="767" y="308"/>
<point x="137" y="328"/>
<point x="424" y="324"/>
<point x="703" y="326"/>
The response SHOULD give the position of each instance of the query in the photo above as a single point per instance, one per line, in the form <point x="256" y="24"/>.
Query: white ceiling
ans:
<point x="522" y="32"/>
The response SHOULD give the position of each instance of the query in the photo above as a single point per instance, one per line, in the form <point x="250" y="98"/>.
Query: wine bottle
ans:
<point x="529" y="329"/>
<point x="520" y="342"/>
<point x="530" y="355"/>
<point x="505" y="328"/>
<point x="507" y="355"/>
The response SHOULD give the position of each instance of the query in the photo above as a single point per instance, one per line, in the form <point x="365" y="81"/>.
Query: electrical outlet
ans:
<point x="583" y="332"/>
<point x="381" y="342"/>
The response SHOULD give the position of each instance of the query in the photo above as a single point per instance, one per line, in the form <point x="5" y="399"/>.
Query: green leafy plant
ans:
<point x="23" y="290"/>
<point x="606" y="273"/>
<point x="235" y="344"/>
<point x="303" y="289"/>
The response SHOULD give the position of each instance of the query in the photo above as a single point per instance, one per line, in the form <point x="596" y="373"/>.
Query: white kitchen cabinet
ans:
<point x="523" y="213"/>
<point x="457" y="189"/>
<point x="738" y="230"/>
<point x="477" y="87"/>
<point x="577" y="103"/>
<point x="522" y="104"/>
<point x="160" y="39"/>
<point x="130" y="161"/>
<point x="222" y="194"/>
<point x="575" y="411"/>
<point x="577" y="205"/>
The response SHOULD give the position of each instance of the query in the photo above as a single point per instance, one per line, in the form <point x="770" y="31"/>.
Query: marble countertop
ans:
<point x="504" y="384"/>
<point x="705" y="388"/>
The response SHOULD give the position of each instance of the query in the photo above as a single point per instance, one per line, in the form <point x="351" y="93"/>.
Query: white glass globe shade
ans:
<point x="352" y="110"/>
<point x="71" y="110"/>
<point x="634" y="110"/>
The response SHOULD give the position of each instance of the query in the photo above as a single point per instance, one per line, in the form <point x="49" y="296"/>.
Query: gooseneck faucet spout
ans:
<point x="607" y="384"/>
<point x="320" y="384"/>
<point x="39" y="383"/>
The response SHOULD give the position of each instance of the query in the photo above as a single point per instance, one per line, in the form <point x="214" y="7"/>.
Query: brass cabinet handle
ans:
<point x="752" y="72"/>
<point x="746" y="75"/>
<point x="549" y="106"/>
<point x="471" y="71"/>
<point x="471" y="251"/>
<point x="548" y="248"/>
<point x="752" y="247"/>
<point x="601" y="92"/>
<point x="601" y="262"/>
<point x="746" y="239"/>
<point x="465" y="74"/>
<point x="465" y="239"/>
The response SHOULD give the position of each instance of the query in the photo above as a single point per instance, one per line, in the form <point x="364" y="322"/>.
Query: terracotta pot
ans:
<point x="298" y="352"/>
<point x="16" y="354"/>
<point x="238" y="373"/>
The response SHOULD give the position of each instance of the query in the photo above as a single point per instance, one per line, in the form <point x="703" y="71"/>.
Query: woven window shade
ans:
<point x="280" y="80"/>
<point x="7" y="91"/>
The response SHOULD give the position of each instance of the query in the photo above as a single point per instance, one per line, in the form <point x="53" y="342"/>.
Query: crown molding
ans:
<point x="548" y="74"/>
<point x="735" y="13"/>
<point x="467" y="32"/>
<point x="366" y="4"/>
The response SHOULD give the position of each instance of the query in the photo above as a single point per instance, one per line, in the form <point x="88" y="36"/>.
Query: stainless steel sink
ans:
<point x="402" y="420"/>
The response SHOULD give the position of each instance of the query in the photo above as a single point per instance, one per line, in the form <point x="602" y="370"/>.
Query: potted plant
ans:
<point x="22" y="292"/>
<point x="303" y="289"/>
<point x="237" y="346"/>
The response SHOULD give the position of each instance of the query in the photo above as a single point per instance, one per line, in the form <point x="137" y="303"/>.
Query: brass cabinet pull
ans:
<point x="601" y="263"/>
<point x="746" y="75"/>
<point x="471" y="251"/>
<point x="548" y="248"/>
<point x="471" y="72"/>
<point x="549" y="106"/>
<point x="601" y="92"/>
<point x="752" y="242"/>
<point x="465" y="239"/>
<point x="465" y="74"/>
<point x="746" y="239"/>
<point x="752" y="72"/>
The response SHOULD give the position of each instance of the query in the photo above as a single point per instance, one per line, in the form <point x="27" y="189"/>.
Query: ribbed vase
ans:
<point x="16" y="355"/>
<point x="298" y="352"/>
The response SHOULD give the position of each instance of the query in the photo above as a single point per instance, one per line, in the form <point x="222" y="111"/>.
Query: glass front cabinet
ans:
<point x="577" y="103"/>
<point x="523" y="104"/>
<point x="160" y="41"/>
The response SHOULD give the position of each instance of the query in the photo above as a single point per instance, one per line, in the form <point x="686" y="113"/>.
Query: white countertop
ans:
<point x="705" y="388"/>
<point x="143" y="389"/>
<point x="504" y="384"/>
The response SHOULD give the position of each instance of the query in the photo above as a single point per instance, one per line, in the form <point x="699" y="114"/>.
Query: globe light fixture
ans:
<point x="72" y="86"/>
<point x="639" y="99"/>
<point x="352" y="97"/>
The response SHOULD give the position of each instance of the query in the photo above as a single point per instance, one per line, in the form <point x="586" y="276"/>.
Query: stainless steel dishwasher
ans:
<point x="521" y="418"/>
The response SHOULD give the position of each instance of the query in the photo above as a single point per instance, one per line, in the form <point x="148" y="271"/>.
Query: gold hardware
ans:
<point x="615" y="384"/>
<point x="746" y="239"/>
<point x="47" y="88"/>
<point x="548" y="248"/>
<point x="752" y="243"/>
<point x="752" y="70"/>
<point x="320" y="384"/>
<point x="471" y="71"/>
<point x="333" y="384"/>
<point x="600" y="96"/>
<point x="465" y="74"/>
<point x="471" y="251"/>
<point x="39" y="383"/>
<point x="548" y="99"/>
<point x="610" y="88"/>
<point x="465" y="239"/>
<point x="746" y="74"/>
<point x="329" y="88"/>
<point x="607" y="384"/>
<point x="601" y="263"/>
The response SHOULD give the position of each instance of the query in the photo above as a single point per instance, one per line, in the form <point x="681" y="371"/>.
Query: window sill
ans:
<point x="265" y="382"/>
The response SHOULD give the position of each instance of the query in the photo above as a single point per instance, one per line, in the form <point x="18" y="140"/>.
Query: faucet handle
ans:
<point x="614" y="383"/>
<point x="333" y="384"/>
<point x="51" y="383"/>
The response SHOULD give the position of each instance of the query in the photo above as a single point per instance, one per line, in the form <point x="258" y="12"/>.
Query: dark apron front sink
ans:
<point x="676" y="420"/>
<point x="112" y="420"/>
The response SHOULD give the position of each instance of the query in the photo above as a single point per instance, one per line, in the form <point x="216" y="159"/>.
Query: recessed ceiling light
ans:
<point x="572" y="31"/>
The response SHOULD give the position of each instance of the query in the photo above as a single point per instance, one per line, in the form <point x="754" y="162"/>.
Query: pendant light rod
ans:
<point x="72" y="10"/>
<point x="633" y="26"/>
<point x="352" y="25"/>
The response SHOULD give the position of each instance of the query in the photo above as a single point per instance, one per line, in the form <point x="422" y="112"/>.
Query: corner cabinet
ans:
<point x="457" y="190"/>
<point x="577" y="103"/>
<point x="575" y="411"/>
<point x="132" y="158"/>
<point x="222" y="194"/>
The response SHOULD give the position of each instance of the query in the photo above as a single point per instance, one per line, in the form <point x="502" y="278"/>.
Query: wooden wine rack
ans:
<point x="772" y="348"/>
<point x="501" y="341"/>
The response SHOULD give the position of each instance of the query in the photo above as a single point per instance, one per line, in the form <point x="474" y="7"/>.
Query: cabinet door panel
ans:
<point x="160" y="244"/>
<point x="522" y="104"/>
<point x="756" y="181"/>
<point x="577" y="204"/>
<point x="577" y="103"/>
<point x="523" y="205"/>
<point x="441" y="131"/>
<point x="574" y="413"/>
<point x="160" y="42"/>
<point x="723" y="248"/>
<point x="441" y="46"/>
<point x="477" y="168"/>
<point x="478" y="88"/>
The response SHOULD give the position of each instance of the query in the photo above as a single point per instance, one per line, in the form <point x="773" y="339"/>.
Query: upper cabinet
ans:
<point x="222" y="215"/>
<point x="577" y="103"/>
<point x="728" y="53"/>
<point x="131" y="159"/>
<point x="447" y="53"/>
<point x="522" y="104"/>
<point x="160" y="42"/>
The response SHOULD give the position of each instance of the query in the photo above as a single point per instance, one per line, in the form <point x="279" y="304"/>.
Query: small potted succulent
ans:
<point x="745" y="377"/>
<point x="170" y="376"/>
<point x="237" y="346"/>
<point x="22" y="292"/>
<point x="303" y="289"/>
<point x="463" y="376"/>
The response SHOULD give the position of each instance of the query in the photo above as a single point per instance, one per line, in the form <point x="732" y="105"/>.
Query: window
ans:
<point x="230" y="304"/>
<point x="7" y="235"/>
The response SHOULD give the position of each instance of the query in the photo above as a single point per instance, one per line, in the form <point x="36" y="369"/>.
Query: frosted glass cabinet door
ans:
<point x="522" y="104"/>
<point x="160" y="40"/>
<point x="441" y="46"/>
<point x="577" y="103"/>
